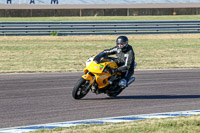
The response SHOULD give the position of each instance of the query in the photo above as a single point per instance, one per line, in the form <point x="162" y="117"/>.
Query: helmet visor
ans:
<point x="120" y="45"/>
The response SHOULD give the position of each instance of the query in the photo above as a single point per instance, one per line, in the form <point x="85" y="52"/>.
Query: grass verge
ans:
<point x="69" y="53"/>
<point x="103" y="18"/>
<point x="183" y="124"/>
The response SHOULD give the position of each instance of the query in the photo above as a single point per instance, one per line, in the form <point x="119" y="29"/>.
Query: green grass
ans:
<point x="184" y="124"/>
<point x="103" y="18"/>
<point x="69" y="53"/>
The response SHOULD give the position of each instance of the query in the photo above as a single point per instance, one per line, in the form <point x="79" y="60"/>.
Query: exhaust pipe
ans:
<point x="131" y="80"/>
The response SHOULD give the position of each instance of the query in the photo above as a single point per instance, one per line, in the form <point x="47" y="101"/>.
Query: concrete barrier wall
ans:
<point x="46" y="2"/>
<point x="97" y="12"/>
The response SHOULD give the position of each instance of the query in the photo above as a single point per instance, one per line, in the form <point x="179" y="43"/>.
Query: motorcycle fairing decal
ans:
<point x="89" y="77"/>
<point x="101" y="66"/>
<point x="96" y="68"/>
<point x="102" y="79"/>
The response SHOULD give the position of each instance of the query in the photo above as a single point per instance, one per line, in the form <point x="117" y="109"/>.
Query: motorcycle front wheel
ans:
<point x="80" y="89"/>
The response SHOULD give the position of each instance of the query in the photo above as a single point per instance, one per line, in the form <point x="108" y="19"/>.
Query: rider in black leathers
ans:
<point x="125" y="59"/>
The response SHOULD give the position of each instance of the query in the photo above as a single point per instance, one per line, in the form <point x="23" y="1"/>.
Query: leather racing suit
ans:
<point x="125" y="60"/>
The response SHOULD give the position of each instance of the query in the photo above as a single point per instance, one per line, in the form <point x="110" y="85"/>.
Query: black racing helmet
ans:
<point x="123" y="40"/>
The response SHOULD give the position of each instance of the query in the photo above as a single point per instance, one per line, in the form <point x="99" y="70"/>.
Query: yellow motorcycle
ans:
<point x="99" y="78"/>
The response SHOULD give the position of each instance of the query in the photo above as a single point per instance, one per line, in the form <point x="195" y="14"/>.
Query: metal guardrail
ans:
<point x="63" y="28"/>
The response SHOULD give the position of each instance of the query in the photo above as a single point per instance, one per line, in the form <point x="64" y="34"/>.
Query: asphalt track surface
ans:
<point x="28" y="99"/>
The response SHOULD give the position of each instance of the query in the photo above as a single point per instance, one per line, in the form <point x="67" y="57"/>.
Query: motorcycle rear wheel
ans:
<point x="79" y="90"/>
<point x="114" y="94"/>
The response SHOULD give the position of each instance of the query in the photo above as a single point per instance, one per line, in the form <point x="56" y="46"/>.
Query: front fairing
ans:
<point x="89" y="78"/>
<point x="102" y="79"/>
<point x="96" y="71"/>
<point x="96" y="68"/>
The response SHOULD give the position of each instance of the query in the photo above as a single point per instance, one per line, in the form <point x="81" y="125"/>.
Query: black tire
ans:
<point x="114" y="94"/>
<point x="79" y="89"/>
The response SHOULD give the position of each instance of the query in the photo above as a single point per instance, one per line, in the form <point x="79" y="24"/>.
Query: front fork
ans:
<point x="86" y="88"/>
<point x="90" y="79"/>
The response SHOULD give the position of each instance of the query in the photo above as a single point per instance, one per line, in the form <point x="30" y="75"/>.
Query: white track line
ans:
<point x="98" y="121"/>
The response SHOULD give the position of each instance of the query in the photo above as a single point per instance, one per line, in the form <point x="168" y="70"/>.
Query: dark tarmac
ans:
<point x="37" y="98"/>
